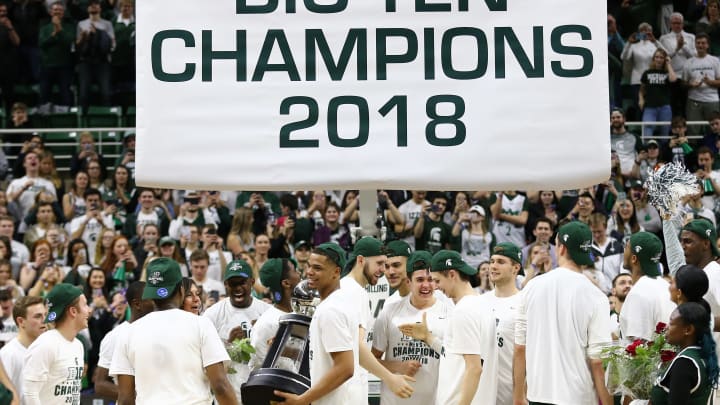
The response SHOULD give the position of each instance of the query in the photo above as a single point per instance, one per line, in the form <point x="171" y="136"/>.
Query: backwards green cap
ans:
<point x="398" y="248"/>
<point x="271" y="274"/>
<point x="508" y="250"/>
<point x="418" y="260"/>
<point x="163" y="276"/>
<point x="706" y="230"/>
<point x="334" y="252"/>
<point x="238" y="268"/>
<point x="648" y="249"/>
<point x="451" y="260"/>
<point x="576" y="236"/>
<point x="59" y="298"/>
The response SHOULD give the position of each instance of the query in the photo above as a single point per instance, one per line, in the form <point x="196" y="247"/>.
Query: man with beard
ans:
<point x="626" y="144"/>
<point x="408" y="354"/>
<point x="621" y="285"/>
<point x="367" y="263"/>
<point x="234" y="316"/>
<point x="397" y="253"/>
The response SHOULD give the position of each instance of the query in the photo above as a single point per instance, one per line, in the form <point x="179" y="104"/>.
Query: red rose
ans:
<point x="631" y="348"/>
<point x="667" y="355"/>
<point x="660" y="327"/>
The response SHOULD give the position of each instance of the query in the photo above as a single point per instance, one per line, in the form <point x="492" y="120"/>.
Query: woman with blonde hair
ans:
<point x="48" y="171"/>
<point x="655" y="89"/>
<point x="241" y="236"/>
<point x="107" y="236"/>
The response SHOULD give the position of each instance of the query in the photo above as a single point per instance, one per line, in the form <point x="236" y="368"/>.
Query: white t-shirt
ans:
<point x="712" y="270"/>
<point x="13" y="359"/>
<point x="27" y="198"/>
<point x="470" y="330"/>
<point x="214" y="270"/>
<point x="212" y="285"/>
<point x="264" y="329"/>
<point x="565" y="315"/>
<point x="226" y="317"/>
<point x="358" y="301"/>
<point x="58" y="364"/>
<point x="504" y="310"/>
<point x="334" y="328"/>
<point x="647" y="303"/>
<point x="398" y="347"/>
<point x="20" y="256"/>
<point x="91" y="233"/>
<point x="10" y="329"/>
<point x="411" y="211"/>
<point x="167" y="352"/>
<point x="108" y="344"/>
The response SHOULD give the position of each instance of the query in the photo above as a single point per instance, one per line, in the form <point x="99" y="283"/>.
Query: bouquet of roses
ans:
<point x="632" y="369"/>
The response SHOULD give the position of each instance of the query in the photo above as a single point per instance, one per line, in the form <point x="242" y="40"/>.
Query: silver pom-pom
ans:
<point x="668" y="185"/>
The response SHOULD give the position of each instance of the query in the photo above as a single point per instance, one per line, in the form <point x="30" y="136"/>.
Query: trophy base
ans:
<point x="258" y="390"/>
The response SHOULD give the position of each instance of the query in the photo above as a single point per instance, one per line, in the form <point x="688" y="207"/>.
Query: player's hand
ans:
<point x="418" y="330"/>
<point x="399" y="385"/>
<point x="290" y="399"/>
<point x="237" y="333"/>
<point x="410" y="368"/>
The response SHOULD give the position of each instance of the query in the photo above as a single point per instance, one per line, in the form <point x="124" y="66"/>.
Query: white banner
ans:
<point x="411" y="94"/>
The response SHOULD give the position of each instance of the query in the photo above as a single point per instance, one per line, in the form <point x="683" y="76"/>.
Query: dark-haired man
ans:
<point x="54" y="362"/>
<point x="234" y="316"/>
<point x="29" y="314"/>
<point x="280" y="276"/>
<point x="648" y="302"/>
<point x="409" y="355"/>
<point x="173" y="356"/>
<point x="104" y="385"/>
<point x="334" y="335"/>
<point x="467" y="374"/>
<point x="701" y="73"/>
<point x="561" y="327"/>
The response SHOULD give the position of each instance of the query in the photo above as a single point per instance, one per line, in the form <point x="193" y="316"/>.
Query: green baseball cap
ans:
<point x="508" y="250"/>
<point x="166" y="240"/>
<point x="238" y="268"/>
<point x="576" y="236"/>
<point x="418" y="260"/>
<point x="59" y="298"/>
<point x="334" y="252"/>
<point x="163" y="276"/>
<point x="704" y="229"/>
<point x="398" y="248"/>
<point x="368" y="247"/>
<point x="451" y="260"/>
<point x="648" y="249"/>
<point x="303" y="243"/>
<point x="271" y="274"/>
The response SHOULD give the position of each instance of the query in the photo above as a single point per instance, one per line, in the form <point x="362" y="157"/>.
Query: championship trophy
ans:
<point x="286" y="366"/>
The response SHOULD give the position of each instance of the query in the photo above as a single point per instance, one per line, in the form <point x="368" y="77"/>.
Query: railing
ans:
<point x="106" y="147"/>
<point x="632" y="126"/>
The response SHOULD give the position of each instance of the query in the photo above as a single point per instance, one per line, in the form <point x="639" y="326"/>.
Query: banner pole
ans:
<point x="367" y="216"/>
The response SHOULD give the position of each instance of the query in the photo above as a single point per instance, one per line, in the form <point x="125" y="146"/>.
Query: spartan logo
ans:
<point x="435" y="234"/>
<point x="708" y="232"/>
<point x="566" y="237"/>
<point x="638" y="249"/>
<point x="448" y="263"/>
<point x="155" y="278"/>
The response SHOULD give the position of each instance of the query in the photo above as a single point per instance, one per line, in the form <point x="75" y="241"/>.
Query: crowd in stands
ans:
<point x="97" y="230"/>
